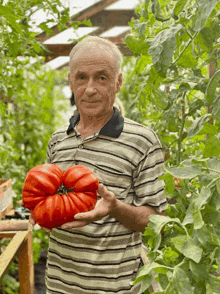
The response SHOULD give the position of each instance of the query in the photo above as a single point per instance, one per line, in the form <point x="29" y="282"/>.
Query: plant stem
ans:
<point x="187" y="45"/>
<point x="183" y="111"/>
<point x="213" y="181"/>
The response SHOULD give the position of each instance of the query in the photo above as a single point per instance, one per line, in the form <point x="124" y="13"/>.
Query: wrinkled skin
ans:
<point x="50" y="205"/>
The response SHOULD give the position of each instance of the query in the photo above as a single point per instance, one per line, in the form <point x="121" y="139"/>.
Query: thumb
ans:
<point x="101" y="189"/>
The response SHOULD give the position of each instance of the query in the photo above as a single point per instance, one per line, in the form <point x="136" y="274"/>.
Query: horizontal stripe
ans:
<point x="89" y="249"/>
<point x="88" y="262"/>
<point x="101" y="275"/>
<point x="77" y="287"/>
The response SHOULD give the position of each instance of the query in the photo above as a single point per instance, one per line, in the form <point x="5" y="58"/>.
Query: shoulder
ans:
<point x="140" y="131"/>
<point x="59" y="134"/>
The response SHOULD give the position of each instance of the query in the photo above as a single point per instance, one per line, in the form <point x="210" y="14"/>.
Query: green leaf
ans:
<point x="163" y="47"/>
<point x="213" y="285"/>
<point x="218" y="185"/>
<point x="157" y="11"/>
<point x="138" y="47"/>
<point x="179" y="7"/>
<point x="87" y="22"/>
<point x="8" y="13"/>
<point x="142" y="62"/>
<point x="144" y="271"/>
<point x="201" y="199"/>
<point x="146" y="282"/>
<point x="181" y="281"/>
<point x="188" y="247"/>
<point x="188" y="219"/>
<point x="204" y="11"/>
<point x="207" y="237"/>
<point x="45" y="28"/>
<point x="169" y="183"/>
<point x="199" y="270"/>
<point x="211" y="87"/>
<point x="159" y="99"/>
<point x="187" y="59"/>
<point x="188" y="172"/>
<point x="157" y="222"/>
<point x="205" y="39"/>
<point x="212" y="147"/>
<point x="198" y="221"/>
<point x="197" y="125"/>
<point x="209" y="128"/>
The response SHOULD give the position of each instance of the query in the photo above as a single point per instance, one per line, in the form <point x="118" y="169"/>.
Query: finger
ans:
<point x="74" y="224"/>
<point x="84" y="216"/>
<point x="31" y="219"/>
<point x="21" y="203"/>
<point x="104" y="192"/>
<point x="47" y="230"/>
<point x="96" y="214"/>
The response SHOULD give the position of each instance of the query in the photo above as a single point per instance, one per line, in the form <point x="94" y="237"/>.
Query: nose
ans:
<point x="90" y="87"/>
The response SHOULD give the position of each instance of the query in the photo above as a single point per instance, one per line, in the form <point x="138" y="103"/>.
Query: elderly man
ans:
<point x="100" y="252"/>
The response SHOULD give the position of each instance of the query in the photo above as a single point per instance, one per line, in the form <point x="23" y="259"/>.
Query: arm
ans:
<point x="134" y="218"/>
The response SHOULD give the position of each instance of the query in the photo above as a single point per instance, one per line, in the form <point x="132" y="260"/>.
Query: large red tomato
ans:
<point x="55" y="197"/>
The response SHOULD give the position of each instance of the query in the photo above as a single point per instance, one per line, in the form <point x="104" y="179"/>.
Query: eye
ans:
<point x="102" y="78"/>
<point x="80" y="77"/>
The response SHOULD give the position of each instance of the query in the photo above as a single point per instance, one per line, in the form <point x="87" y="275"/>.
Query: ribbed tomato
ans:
<point x="54" y="196"/>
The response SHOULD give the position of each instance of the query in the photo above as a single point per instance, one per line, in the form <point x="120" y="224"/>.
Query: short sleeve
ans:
<point x="146" y="183"/>
<point x="49" y="153"/>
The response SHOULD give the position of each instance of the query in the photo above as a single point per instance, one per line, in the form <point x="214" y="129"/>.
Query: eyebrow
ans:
<point x="99" y="72"/>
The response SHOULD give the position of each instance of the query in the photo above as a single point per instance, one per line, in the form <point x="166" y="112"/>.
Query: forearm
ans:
<point x="133" y="217"/>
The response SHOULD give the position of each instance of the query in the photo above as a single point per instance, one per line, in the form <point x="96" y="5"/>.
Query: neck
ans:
<point x="88" y="125"/>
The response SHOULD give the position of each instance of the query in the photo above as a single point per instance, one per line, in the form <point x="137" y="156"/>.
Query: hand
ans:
<point x="31" y="218"/>
<point x="107" y="204"/>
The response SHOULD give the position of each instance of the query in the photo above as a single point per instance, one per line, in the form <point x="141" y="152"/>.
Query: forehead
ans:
<point x="95" y="59"/>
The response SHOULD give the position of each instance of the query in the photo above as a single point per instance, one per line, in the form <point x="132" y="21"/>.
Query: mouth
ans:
<point x="91" y="102"/>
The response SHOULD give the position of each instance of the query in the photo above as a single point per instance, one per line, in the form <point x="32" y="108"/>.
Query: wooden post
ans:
<point x="26" y="267"/>
<point x="21" y="246"/>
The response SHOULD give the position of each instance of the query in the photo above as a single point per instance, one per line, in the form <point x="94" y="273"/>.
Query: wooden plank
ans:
<point x="6" y="211"/>
<point x="26" y="267"/>
<point x="14" y="225"/>
<point x="112" y="18"/>
<point x="84" y="14"/>
<point x="57" y="50"/>
<point x="11" y="250"/>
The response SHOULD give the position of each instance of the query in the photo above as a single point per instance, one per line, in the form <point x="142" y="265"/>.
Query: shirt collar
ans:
<point x="112" y="128"/>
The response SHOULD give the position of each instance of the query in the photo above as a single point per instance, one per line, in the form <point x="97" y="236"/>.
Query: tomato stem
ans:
<point x="64" y="190"/>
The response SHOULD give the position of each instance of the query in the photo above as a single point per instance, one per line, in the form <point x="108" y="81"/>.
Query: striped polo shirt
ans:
<point x="105" y="256"/>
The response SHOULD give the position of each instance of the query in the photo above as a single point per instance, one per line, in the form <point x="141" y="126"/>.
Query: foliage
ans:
<point x="172" y="85"/>
<point x="31" y="98"/>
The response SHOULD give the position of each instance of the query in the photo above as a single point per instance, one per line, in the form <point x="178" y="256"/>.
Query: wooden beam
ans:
<point x="111" y="18"/>
<point x="11" y="250"/>
<point x="26" y="266"/>
<point x="11" y="225"/>
<point x="57" y="50"/>
<point x="84" y="14"/>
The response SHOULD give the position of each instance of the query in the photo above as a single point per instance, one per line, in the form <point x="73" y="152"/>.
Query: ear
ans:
<point x="119" y="83"/>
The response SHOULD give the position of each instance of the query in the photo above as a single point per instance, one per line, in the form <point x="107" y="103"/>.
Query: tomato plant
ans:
<point x="172" y="85"/>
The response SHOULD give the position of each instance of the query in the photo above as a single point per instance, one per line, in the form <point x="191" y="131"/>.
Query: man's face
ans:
<point x="94" y="81"/>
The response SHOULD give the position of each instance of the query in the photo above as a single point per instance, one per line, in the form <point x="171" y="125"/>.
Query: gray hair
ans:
<point x="94" y="40"/>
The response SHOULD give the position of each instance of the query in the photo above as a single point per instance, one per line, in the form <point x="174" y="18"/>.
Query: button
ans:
<point x="80" y="147"/>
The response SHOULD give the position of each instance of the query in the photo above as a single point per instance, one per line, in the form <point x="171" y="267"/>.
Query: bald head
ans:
<point x="92" y="46"/>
